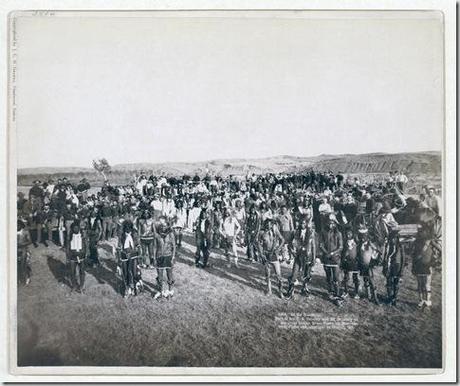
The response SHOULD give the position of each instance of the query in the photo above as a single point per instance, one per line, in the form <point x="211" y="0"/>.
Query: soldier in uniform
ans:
<point x="165" y="255"/>
<point x="304" y="250"/>
<point x="270" y="245"/>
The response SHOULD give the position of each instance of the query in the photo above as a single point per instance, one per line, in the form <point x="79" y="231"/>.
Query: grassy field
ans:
<point x="218" y="317"/>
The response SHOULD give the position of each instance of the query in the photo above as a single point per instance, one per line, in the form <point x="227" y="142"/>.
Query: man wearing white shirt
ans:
<point x="432" y="201"/>
<point x="401" y="181"/>
<point x="229" y="230"/>
<point x="325" y="208"/>
<point x="50" y="188"/>
<point x="157" y="206"/>
<point x="168" y="208"/>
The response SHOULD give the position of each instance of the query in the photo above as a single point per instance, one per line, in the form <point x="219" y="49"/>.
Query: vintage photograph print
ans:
<point x="225" y="189"/>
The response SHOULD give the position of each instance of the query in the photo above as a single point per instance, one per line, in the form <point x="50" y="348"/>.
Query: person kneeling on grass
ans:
<point x="77" y="251"/>
<point x="165" y="254"/>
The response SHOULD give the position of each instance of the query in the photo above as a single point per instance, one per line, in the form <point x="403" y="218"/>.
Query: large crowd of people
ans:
<point x="350" y="226"/>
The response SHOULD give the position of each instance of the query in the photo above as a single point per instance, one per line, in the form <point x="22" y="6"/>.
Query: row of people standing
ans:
<point x="224" y="215"/>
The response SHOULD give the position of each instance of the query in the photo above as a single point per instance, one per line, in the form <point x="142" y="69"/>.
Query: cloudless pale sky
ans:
<point x="173" y="88"/>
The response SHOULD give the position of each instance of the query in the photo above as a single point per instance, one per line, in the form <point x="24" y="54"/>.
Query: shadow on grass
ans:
<point x="254" y="277"/>
<point x="218" y="267"/>
<point x="106" y="273"/>
<point x="59" y="270"/>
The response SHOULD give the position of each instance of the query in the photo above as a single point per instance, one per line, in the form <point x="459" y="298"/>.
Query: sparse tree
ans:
<point x="102" y="166"/>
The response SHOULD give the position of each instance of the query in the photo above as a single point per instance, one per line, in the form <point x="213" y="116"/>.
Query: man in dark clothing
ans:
<point x="203" y="238"/>
<point x="331" y="245"/>
<point x="339" y="178"/>
<point x="270" y="245"/>
<point x="304" y="250"/>
<point x="36" y="224"/>
<point x="94" y="229"/>
<point x="106" y="215"/>
<point x="37" y="194"/>
<point x="82" y="188"/>
<point x="253" y="225"/>
<point x="21" y="205"/>
<point x="50" y="223"/>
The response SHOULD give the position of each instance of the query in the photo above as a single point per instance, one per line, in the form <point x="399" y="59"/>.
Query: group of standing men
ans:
<point x="279" y="219"/>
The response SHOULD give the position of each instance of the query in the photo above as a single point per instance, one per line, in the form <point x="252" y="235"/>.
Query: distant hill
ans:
<point x="428" y="162"/>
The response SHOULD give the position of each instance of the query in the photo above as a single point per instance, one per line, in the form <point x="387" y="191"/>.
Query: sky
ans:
<point x="165" y="87"/>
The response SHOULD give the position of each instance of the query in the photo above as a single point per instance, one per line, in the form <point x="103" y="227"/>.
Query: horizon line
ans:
<point x="230" y="159"/>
